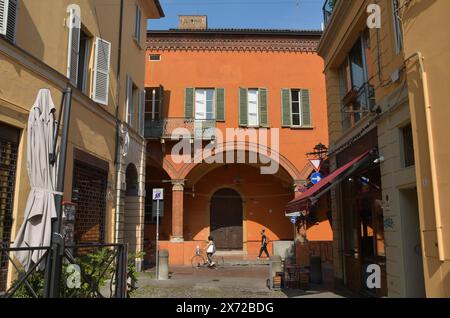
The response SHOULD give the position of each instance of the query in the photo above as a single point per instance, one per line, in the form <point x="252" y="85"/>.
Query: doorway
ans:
<point x="89" y="193"/>
<point x="363" y="228"/>
<point x="226" y="219"/>
<point x="414" y="278"/>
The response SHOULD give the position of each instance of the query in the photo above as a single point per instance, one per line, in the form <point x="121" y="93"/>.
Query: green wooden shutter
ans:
<point x="189" y="103"/>
<point x="220" y="104"/>
<point x="306" y="108"/>
<point x="286" y="107"/>
<point x="243" y="107"/>
<point x="263" y="108"/>
<point x="161" y="101"/>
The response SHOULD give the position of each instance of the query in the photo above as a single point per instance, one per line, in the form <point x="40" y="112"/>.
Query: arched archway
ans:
<point x="226" y="219"/>
<point x="285" y="165"/>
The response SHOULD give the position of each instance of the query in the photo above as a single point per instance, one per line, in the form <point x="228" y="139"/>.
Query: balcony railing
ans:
<point x="327" y="9"/>
<point x="180" y="128"/>
<point x="358" y="102"/>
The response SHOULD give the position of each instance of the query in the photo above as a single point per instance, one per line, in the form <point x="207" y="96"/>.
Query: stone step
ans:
<point x="245" y="262"/>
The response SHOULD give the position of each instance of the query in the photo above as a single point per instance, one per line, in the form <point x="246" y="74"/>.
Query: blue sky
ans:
<point x="262" y="14"/>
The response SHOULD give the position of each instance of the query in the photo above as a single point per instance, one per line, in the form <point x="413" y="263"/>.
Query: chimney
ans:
<point x="192" y="22"/>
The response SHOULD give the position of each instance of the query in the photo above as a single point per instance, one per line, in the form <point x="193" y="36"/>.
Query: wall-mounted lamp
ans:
<point x="380" y="159"/>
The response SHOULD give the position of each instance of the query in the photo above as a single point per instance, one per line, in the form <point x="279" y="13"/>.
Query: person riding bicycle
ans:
<point x="210" y="250"/>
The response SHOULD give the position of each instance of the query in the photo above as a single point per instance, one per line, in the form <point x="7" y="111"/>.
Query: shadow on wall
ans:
<point x="446" y="282"/>
<point x="413" y="11"/>
<point x="32" y="33"/>
<point x="166" y="103"/>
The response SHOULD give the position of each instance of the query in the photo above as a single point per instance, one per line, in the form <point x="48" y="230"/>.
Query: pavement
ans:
<point x="227" y="282"/>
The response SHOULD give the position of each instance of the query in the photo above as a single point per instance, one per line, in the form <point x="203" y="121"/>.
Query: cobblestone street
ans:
<point x="228" y="282"/>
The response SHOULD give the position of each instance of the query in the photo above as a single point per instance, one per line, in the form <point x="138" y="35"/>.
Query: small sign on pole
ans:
<point x="316" y="164"/>
<point x="316" y="178"/>
<point x="158" y="195"/>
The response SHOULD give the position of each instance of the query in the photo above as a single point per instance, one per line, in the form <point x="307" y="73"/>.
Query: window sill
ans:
<point x="255" y="127"/>
<point x="299" y="127"/>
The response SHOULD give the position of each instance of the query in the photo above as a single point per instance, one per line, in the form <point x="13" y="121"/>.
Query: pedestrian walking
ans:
<point x="264" y="242"/>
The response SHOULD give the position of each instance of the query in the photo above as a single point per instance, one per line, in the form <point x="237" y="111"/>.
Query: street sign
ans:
<point x="293" y="219"/>
<point x="158" y="194"/>
<point x="316" y="178"/>
<point x="316" y="164"/>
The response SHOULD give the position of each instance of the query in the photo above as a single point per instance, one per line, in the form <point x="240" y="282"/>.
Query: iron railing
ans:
<point x="88" y="271"/>
<point x="177" y="128"/>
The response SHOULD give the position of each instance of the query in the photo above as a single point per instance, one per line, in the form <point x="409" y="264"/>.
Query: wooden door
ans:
<point x="226" y="220"/>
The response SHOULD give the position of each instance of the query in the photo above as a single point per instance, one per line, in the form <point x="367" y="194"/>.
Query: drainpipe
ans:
<point x="117" y="142"/>
<point x="432" y="149"/>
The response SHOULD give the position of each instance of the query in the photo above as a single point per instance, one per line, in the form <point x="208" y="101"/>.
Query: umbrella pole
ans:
<point x="57" y="243"/>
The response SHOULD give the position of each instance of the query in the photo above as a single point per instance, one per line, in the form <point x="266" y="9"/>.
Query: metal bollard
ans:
<point x="163" y="265"/>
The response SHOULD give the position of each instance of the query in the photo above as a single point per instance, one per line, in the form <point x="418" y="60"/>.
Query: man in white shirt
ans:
<point x="210" y="250"/>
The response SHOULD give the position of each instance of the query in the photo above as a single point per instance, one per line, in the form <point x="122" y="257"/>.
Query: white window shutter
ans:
<point x="141" y="112"/>
<point x="8" y="19"/>
<point x="101" y="71"/>
<point x="73" y="52"/>
<point x="3" y="16"/>
<point x="130" y="102"/>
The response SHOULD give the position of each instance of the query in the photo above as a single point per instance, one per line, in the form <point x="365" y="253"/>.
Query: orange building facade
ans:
<point x="262" y="83"/>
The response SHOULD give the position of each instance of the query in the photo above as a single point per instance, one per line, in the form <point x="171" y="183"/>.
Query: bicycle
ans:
<point x="199" y="260"/>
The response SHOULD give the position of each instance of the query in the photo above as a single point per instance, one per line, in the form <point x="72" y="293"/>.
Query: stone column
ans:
<point x="177" y="210"/>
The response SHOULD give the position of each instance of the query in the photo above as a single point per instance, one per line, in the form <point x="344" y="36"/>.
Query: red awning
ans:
<point x="301" y="203"/>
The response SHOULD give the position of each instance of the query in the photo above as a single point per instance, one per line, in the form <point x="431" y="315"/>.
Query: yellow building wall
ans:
<point x="89" y="132"/>
<point x="426" y="26"/>
<point x="38" y="60"/>
<point x="346" y="25"/>
<point x="42" y="31"/>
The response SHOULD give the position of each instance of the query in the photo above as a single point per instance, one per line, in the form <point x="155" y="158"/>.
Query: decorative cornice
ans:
<point x="186" y="43"/>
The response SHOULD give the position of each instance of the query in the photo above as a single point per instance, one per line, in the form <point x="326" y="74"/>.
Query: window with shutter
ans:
<point x="130" y="102"/>
<point x="141" y="111"/>
<point x="205" y="104"/>
<point x="73" y="52"/>
<point x="253" y="107"/>
<point x="189" y="103"/>
<point x="153" y="103"/>
<point x="84" y="61"/>
<point x="8" y="19"/>
<point x="263" y="108"/>
<point x="397" y="26"/>
<point x="137" y="24"/>
<point x="286" y="107"/>
<point x="101" y="71"/>
<point x="220" y="104"/>
<point x="306" y="108"/>
<point x="161" y="100"/>
<point x="3" y="16"/>
<point x="243" y="107"/>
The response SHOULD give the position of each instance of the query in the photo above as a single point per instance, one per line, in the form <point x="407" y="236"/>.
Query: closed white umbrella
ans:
<point x="40" y="209"/>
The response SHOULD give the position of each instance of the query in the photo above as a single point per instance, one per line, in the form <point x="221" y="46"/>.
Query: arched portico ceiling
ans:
<point x="192" y="173"/>
<point x="265" y="157"/>
<point x="162" y="164"/>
